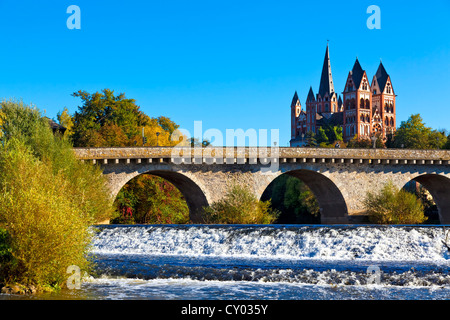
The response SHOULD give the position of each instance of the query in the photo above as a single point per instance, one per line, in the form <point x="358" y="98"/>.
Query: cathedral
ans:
<point x="365" y="109"/>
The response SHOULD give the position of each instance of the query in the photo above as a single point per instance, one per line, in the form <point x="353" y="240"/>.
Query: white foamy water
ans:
<point x="267" y="262"/>
<point x="323" y="243"/>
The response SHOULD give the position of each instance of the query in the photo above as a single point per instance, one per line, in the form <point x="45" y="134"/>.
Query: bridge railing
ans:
<point x="253" y="155"/>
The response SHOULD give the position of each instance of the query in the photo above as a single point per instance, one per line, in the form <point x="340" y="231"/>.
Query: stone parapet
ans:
<point x="232" y="155"/>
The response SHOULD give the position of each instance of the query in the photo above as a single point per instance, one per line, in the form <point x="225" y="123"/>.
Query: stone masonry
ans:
<point x="339" y="178"/>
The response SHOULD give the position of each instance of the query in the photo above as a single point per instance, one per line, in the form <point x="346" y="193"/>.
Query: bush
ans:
<point x="149" y="199"/>
<point x="240" y="206"/>
<point x="394" y="206"/>
<point x="48" y="201"/>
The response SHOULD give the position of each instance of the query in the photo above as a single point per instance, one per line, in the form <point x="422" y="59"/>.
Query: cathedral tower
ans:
<point x="327" y="100"/>
<point x="357" y="104"/>
<point x="311" y="111"/>
<point x="383" y="100"/>
<point x="296" y="109"/>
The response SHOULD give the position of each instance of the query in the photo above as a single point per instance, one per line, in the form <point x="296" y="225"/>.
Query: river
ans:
<point x="276" y="262"/>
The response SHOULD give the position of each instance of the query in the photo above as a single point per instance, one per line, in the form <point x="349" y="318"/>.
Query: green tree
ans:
<point x="322" y="136"/>
<point x="394" y="206"/>
<point x="66" y="120"/>
<point x="364" y="143"/>
<point x="166" y="124"/>
<point x="106" y="109"/>
<point x="414" y="134"/>
<point x="447" y="144"/>
<point x="310" y="139"/>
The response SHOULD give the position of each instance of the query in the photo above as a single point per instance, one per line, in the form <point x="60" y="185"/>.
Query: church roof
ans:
<point x="295" y="99"/>
<point x="336" y="119"/>
<point x="357" y="73"/>
<point x="382" y="77"/>
<point x="326" y="80"/>
<point x="310" y="96"/>
<point x="55" y="126"/>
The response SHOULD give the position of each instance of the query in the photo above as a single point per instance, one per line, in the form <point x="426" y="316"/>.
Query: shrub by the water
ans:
<point x="48" y="201"/>
<point x="240" y="206"/>
<point x="394" y="206"/>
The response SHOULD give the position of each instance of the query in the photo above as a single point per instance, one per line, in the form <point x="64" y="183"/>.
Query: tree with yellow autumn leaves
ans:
<point x="106" y="119"/>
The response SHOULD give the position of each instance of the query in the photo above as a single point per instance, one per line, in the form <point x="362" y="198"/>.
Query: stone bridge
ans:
<point x="339" y="178"/>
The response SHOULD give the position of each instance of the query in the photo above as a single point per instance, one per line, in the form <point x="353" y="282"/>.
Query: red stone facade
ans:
<point x="368" y="107"/>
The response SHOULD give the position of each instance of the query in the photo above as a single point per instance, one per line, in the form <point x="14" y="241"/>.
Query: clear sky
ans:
<point x="230" y="64"/>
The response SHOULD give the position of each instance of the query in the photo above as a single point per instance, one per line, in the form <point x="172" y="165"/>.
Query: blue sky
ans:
<point x="230" y="64"/>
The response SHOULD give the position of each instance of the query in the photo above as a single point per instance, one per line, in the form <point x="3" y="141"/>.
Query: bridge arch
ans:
<point x="193" y="194"/>
<point x="439" y="188"/>
<point x="333" y="207"/>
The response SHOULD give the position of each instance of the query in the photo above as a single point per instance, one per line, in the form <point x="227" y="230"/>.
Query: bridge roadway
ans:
<point x="339" y="178"/>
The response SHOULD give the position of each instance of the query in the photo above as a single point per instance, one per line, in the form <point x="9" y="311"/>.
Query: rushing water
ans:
<point x="268" y="262"/>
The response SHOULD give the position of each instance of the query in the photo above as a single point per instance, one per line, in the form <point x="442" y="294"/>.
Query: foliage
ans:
<point x="5" y="248"/>
<point x="240" y="206"/>
<point x="447" y="144"/>
<point x="295" y="201"/>
<point x="310" y="139"/>
<point x="66" y="120"/>
<point x="321" y="136"/>
<point x="329" y="134"/>
<point x="195" y="142"/>
<point x="109" y="120"/>
<point x="327" y="137"/>
<point x="48" y="199"/>
<point x="149" y="199"/>
<point x="361" y="143"/>
<point x="393" y="206"/>
<point x="413" y="134"/>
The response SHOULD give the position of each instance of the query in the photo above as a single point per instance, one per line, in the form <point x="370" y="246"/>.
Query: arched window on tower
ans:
<point x="367" y="104"/>
<point x="361" y="103"/>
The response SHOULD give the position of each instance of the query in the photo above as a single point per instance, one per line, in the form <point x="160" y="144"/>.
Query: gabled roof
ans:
<point x="326" y="80"/>
<point x="311" y="97"/>
<point x="336" y="119"/>
<point x="55" y="126"/>
<point x="382" y="77"/>
<point x="357" y="73"/>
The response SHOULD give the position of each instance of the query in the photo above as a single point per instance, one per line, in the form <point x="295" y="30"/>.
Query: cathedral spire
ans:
<point x="326" y="81"/>
<point x="382" y="76"/>
<point x="310" y="97"/>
